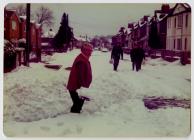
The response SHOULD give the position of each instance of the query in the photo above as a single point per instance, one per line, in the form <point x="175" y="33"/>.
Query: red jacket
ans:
<point x="81" y="73"/>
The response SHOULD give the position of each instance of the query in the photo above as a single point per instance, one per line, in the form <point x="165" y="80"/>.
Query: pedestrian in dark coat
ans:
<point x="140" y="57"/>
<point x="115" y="55"/>
<point x="137" y="55"/>
<point x="80" y="76"/>
<point x="133" y="58"/>
<point x="122" y="52"/>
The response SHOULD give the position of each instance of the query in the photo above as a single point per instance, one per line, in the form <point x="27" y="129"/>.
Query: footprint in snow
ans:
<point x="60" y="123"/>
<point x="79" y="129"/>
<point x="45" y="128"/>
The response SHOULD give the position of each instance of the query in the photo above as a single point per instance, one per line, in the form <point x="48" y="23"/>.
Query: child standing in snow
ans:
<point x="80" y="76"/>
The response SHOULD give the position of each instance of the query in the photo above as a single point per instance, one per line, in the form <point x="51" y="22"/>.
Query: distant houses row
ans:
<point x="172" y="26"/>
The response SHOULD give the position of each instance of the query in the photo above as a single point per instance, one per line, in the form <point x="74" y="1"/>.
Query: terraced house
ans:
<point x="179" y="28"/>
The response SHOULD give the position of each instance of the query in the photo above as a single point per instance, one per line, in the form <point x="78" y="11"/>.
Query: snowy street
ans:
<point x="37" y="103"/>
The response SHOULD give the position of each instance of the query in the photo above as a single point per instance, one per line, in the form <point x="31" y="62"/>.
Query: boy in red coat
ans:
<point x="80" y="76"/>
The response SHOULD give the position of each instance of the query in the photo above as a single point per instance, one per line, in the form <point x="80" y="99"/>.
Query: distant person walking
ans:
<point x="133" y="58"/>
<point x="121" y="51"/>
<point x="140" y="56"/>
<point x="137" y="55"/>
<point x="115" y="55"/>
<point x="80" y="76"/>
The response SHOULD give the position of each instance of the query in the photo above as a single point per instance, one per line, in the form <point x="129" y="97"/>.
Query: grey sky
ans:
<point x="99" y="19"/>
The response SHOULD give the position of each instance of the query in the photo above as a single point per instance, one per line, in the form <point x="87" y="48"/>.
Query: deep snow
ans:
<point x="36" y="102"/>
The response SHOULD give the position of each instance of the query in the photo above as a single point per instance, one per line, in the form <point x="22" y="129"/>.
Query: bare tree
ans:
<point x="44" y="16"/>
<point x="21" y="10"/>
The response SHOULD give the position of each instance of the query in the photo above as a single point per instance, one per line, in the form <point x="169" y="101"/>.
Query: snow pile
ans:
<point x="116" y="107"/>
<point x="38" y="93"/>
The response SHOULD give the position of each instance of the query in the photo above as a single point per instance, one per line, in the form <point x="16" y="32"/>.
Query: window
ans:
<point x="180" y="21"/>
<point x="179" y="47"/>
<point x="186" y="21"/>
<point x="174" y="43"/>
<point x="185" y="44"/>
<point x="169" y="43"/>
<point x="175" y="22"/>
<point x="169" y="22"/>
<point x="13" y="25"/>
<point x="24" y="28"/>
<point x="33" y="32"/>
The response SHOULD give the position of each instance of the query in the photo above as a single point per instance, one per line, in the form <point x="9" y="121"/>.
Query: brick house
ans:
<point x="161" y="16"/>
<point x="11" y="25"/>
<point x="22" y="27"/>
<point x="33" y="35"/>
<point x="38" y="35"/>
<point x="38" y="41"/>
<point x="143" y="32"/>
<point x="133" y="35"/>
<point x="162" y="30"/>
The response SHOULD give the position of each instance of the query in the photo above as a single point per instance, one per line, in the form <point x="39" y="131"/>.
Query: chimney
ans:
<point x="145" y="18"/>
<point x="165" y="8"/>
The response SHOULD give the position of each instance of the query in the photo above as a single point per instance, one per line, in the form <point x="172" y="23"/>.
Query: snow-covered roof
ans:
<point x="80" y="38"/>
<point x="19" y="49"/>
<point x="50" y="34"/>
<point x="38" y="25"/>
<point x="44" y="44"/>
<point x="149" y="18"/>
<point x="140" y="25"/>
<point x="23" y="17"/>
<point x="129" y="32"/>
<point x="160" y="19"/>
<point x="186" y="5"/>
<point x="11" y="10"/>
<point x="6" y="41"/>
<point x="22" y="40"/>
<point x="32" y="21"/>
<point x="136" y="25"/>
<point x="14" y="40"/>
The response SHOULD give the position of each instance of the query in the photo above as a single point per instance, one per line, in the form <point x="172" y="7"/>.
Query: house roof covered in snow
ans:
<point x="10" y="12"/>
<point x="80" y="38"/>
<point x="38" y="25"/>
<point x="23" y="17"/>
<point x="180" y="8"/>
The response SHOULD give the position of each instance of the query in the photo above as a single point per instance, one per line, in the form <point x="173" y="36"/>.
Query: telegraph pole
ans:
<point x="27" y="33"/>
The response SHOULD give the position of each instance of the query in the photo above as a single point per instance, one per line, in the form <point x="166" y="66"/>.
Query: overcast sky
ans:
<point x="99" y="19"/>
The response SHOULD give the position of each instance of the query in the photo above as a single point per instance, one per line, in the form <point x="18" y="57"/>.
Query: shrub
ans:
<point x="22" y="43"/>
<point x="9" y="55"/>
<point x="9" y="49"/>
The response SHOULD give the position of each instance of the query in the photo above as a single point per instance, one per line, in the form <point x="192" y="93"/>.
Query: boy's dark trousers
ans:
<point x="133" y="65"/>
<point x="121" y="54"/>
<point x="116" y="63"/>
<point x="138" y="65"/>
<point x="77" y="102"/>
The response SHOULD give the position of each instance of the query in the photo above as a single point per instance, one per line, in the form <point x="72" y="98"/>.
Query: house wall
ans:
<point x="38" y="37"/>
<point x="175" y="33"/>
<point x="162" y="30"/>
<point x="33" y="36"/>
<point x="12" y="28"/>
<point x="23" y="29"/>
